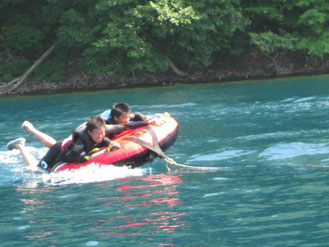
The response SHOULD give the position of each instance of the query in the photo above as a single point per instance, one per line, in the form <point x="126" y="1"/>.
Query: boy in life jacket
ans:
<point x="118" y="119"/>
<point x="120" y="113"/>
<point x="75" y="148"/>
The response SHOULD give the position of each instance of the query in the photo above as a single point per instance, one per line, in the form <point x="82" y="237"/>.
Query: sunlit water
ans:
<point x="269" y="138"/>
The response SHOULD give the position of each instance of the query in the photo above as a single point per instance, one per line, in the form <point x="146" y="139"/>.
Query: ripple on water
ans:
<point x="292" y="150"/>
<point x="219" y="178"/>
<point x="23" y="227"/>
<point x="92" y="243"/>
<point x="306" y="99"/>
<point x="213" y="194"/>
<point x="227" y="154"/>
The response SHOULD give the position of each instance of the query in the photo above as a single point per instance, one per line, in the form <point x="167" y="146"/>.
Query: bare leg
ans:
<point x="30" y="161"/>
<point x="46" y="140"/>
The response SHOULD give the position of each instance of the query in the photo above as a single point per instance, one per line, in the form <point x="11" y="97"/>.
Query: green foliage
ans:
<point x="21" y="37"/>
<point x="125" y="36"/>
<point x="73" y="31"/>
<point x="13" y="69"/>
<point x="25" y="30"/>
<point x="318" y="45"/>
<point x="205" y="28"/>
<point x="270" y="42"/>
<point x="128" y="36"/>
<point x="290" y="25"/>
<point x="120" y="43"/>
<point x="8" y="10"/>
<point x="174" y="12"/>
<point x="53" y="69"/>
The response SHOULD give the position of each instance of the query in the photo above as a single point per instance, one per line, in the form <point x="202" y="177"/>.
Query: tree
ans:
<point x="146" y="36"/>
<point x="299" y="26"/>
<point x="137" y="37"/>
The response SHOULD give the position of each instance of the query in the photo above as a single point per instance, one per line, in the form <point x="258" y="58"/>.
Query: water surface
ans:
<point x="270" y="139"/>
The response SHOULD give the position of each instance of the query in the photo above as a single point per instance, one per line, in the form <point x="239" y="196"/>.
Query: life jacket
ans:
<point x="81" y="132"/>
<point x="106" y="116"/>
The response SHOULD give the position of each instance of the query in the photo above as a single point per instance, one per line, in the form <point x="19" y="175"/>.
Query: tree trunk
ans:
<point x="20" y="80"/>
<point x="176" y="70"/>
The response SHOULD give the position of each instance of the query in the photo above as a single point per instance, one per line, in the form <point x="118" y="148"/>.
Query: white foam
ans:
<point x="9" y="157"/>
<point x="16" y="169"/>
<point x="213" y="194"/>
<point x="92" y="243"/>
<point x="219" y="178"/>
<point x="14" y="156"/>
<point x="93" y="173"/>
<point x="23" y="227"/>
<point x="306" y="99"/>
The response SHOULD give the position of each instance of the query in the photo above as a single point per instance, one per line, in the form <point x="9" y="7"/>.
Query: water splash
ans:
<point x="93" y="173"/>
<point x="15" y="170"/>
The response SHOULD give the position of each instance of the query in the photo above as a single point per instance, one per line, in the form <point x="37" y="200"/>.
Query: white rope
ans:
<point x="172" y="162"/>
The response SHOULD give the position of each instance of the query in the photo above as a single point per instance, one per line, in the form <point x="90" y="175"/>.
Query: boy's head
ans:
<point x="121" y="113"/>
<point x="96" y="128"/>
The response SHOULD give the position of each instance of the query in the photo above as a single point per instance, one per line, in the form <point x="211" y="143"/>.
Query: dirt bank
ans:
<point x="254" y="67"/>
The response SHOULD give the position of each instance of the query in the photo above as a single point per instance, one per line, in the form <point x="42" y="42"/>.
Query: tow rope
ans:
<point x="157" y="150"/>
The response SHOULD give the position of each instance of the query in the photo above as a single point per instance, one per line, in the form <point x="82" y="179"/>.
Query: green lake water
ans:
<point x="270" y="139"/>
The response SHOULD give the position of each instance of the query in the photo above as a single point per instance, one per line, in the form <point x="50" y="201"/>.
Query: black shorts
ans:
<point x="50" y="159"/>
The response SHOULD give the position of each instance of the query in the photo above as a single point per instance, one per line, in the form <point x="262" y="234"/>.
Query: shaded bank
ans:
<point x="174" y="42"/>
<point x="252" y="67"/>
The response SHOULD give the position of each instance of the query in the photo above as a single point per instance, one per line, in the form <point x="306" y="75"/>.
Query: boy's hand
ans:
<point x="113" y="145"/>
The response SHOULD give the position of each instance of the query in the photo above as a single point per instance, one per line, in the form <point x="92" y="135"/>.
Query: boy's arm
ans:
<point x="118" y="128"/>
<point x="137" y="116"/>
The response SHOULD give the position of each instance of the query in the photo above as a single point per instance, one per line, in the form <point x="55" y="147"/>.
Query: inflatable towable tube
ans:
<point x="132" y="151"/>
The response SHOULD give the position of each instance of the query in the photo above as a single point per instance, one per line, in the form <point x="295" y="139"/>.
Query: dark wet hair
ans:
<point x="119" y="108"/>
<point x="95" y="122"/>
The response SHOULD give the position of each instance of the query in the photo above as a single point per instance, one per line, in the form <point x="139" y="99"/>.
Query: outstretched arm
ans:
<point x="118" y="128"/>
<point x="137" y="116"/>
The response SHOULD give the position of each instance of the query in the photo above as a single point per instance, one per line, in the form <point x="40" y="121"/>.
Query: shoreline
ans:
<point x="83" y="82"/>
